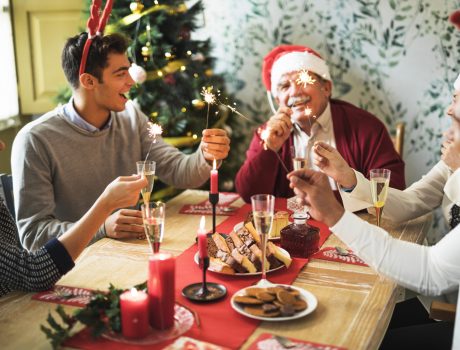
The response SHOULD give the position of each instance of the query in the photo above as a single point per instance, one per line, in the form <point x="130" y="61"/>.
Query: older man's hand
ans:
<point x="314" y="190"/>
<point x="279" y="128"/>
<point x="215" y="144"/>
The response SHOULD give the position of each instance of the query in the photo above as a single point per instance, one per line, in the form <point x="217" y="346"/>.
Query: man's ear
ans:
<point x="327" y="88"/>
<point x="87" y="81"/>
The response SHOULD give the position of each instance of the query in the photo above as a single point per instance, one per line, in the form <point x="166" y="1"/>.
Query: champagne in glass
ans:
<point x="300" y="163"/>
<point x="147" y="169"/>
<point x="263" y="208"/>
<point x="153" y="215"/>
<point x="380" y="180"/>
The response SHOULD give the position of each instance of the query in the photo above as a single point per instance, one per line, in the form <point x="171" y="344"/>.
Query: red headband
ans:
<point x="96" y="24"/>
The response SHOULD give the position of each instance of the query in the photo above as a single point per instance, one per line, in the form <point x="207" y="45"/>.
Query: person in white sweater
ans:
<point x="64" y="159"/>
<point x="428" y="270"/>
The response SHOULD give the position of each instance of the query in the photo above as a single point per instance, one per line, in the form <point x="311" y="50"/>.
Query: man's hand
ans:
<point x="451" y="154"/>
<point x="313" y="189"/>
<point x="125" y="223"/>
<point x="215" y="144"/>
<point x="279" y="128"/>
<point x="329" y="160"/>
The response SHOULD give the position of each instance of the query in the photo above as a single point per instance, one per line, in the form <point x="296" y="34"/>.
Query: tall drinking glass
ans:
<point x="153" y="215"/>
<point x="147" y="169"/>
<point x="380" y="180"/>
<point x="263" y="207"/>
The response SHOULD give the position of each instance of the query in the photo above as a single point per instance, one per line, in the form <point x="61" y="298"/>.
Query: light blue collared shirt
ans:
<point x="72" y="115"/>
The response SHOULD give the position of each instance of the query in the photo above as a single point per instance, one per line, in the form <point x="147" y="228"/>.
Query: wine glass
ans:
<point x="146" y="168"/>
<point x="263" y="207"/>
<point x="380" y="180"/>
<point x="153" y="215"/>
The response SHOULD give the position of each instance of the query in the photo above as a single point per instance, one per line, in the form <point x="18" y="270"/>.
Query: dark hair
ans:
<point x="97" y="56"/>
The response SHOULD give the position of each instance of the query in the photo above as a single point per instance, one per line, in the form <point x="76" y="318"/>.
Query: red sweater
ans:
<point x="360" y="137"/>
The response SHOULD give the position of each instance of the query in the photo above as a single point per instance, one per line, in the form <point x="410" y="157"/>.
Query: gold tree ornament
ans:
<point x="198" y="104"/>
<point x="208" y="72"/>
<point x="136" y="7"/>
<point x="146" y="50"/>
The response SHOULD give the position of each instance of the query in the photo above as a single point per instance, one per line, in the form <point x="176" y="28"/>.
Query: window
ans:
<point x="9" y="104"/>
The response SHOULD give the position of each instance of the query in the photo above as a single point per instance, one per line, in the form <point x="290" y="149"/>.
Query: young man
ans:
<point x="64" y="159"/>
<point x="299" y="80"/>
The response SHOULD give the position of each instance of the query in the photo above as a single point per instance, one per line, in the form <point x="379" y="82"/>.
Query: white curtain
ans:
<point x="9" y="105"/>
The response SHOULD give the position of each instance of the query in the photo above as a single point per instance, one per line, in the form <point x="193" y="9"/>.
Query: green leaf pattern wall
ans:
<point x="396" y="59"/>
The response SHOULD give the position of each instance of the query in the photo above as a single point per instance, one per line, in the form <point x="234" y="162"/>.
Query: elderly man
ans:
<point x="299" y="80"/>
<point x="63" y="160"/>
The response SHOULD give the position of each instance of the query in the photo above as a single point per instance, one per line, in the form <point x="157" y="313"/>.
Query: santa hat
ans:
<point x="289" y="58"/>
<point x="457" y="83"/>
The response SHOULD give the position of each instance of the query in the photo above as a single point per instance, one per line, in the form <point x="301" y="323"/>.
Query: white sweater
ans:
<point x="431" y="270"/>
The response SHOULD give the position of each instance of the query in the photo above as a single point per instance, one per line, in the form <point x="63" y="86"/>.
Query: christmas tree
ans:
<point x="171" y="69"/>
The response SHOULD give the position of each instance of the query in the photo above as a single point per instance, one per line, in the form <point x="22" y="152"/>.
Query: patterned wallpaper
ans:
<point x="397" y="59"/>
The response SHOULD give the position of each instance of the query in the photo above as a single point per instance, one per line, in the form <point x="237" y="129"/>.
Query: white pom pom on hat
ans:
<point x="457" y="83"/>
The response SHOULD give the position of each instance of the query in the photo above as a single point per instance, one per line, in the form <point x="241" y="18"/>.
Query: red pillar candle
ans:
<point x="214" y="178"/>
<point x="202" y="239"/>
<point x="161" y="289"/>
<point x="134" y="314"/>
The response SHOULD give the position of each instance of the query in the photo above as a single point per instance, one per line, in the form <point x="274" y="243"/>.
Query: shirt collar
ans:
<point x="72" y="115"/>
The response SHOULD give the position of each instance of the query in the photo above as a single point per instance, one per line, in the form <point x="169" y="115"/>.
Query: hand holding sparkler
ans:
<point x="279" y="127"/>
<point x="264" y="134"/>
<point x="215" y="144"/>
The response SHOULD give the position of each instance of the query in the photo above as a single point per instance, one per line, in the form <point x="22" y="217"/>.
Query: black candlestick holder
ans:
<point x="204" y="291"/>
<point x="214" y="199"/>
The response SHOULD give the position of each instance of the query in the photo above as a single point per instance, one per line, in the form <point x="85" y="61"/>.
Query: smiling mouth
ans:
<point x="125" y="95"/>
<point x="297" y="101"/>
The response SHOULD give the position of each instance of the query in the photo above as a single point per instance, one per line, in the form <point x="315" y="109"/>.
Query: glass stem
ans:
<point x="263" y="238"/>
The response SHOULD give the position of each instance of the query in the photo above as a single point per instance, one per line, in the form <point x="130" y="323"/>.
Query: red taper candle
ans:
<point x="214" y="178"/>
<point x="202" y="239"/>
<point x="134" y="314"/>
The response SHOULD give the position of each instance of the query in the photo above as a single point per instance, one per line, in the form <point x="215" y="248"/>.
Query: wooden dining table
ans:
<point x="354" y="302"/>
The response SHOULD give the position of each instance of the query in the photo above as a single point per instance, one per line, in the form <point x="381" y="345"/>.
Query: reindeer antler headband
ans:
<point x="96" y="24"/>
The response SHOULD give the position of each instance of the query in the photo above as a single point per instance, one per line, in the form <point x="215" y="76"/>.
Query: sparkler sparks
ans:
<point x="304" y="78"/>
<point x="212" y="98"/>
<point x="154" y="131"/>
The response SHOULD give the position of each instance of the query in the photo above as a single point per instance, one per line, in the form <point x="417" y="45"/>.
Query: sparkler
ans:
<point x="211" y="98"/>
<point x="154" y="130"/>
<point x="264" y="133"/>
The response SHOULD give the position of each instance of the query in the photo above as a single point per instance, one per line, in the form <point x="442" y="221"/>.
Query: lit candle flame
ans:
<point x="304" y="78"/>
<point x="133" y="292"/>
<point x="214" y="164"/>
<point x="202" y="223"/>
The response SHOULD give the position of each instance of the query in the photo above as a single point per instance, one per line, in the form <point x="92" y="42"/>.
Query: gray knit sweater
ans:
<point x="59" y="169"/>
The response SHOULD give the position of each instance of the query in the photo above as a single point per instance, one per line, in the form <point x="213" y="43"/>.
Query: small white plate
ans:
<point x="196" y="259"/>
<point x="239" y="225"/>
<point x="311" y="300"/>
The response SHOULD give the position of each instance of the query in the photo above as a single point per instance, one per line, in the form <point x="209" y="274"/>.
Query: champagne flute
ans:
<point x="146" y="169"/>
<point x="263" y="207"/>
<point x="380" y="180"/>
<point x="153" y="215"/>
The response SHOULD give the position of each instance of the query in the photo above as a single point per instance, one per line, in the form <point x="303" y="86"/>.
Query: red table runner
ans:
<point x="220" y="324"/>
